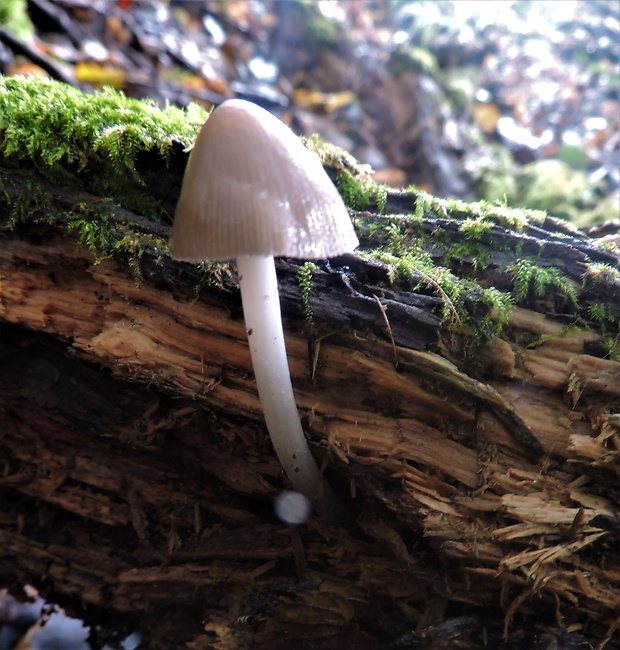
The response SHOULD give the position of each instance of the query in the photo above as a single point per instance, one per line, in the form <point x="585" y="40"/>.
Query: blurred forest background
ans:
<point x="514" y="102"/>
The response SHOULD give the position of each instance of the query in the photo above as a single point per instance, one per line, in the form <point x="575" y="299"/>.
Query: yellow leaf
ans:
<point x="96" y="74"/>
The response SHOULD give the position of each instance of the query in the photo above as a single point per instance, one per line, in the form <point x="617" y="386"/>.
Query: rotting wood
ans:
<point x="424" y="446"/>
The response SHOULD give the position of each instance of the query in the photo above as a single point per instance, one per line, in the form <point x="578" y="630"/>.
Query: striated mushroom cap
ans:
<point x="252" y="188"/>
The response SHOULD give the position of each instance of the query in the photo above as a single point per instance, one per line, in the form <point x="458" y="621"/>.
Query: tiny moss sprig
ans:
<point x="602" y="314"/>
<point x="532" y="279"/>
<point x="361" y="194"/>
<point x="602" y="274"/>
<point x="470" y="248"/>
<point x="304" y="279"/>
<point x="353" y="179"/>
<point x="464" y="301"/>
<point x="35" y="205"/>
<point x="475" y="229"/>
<point x="94" y="232"/>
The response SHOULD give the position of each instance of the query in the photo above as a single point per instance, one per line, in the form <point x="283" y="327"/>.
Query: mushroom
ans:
<point x="252" y="191"/>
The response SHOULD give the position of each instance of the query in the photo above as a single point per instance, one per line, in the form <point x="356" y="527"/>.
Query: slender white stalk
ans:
<point x="263" y="321"/>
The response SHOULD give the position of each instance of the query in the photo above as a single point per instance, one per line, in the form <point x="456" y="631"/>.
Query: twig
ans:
<point x="389" y="328"/>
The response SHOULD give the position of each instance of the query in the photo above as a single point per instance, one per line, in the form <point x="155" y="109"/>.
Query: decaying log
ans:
<point x="137" y="478"/>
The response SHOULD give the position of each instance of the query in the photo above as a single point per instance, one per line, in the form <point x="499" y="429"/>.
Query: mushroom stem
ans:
<point x="263" y="321"/>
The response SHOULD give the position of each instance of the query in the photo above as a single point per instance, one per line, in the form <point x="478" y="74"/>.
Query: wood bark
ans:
<point x="137" y="477"/>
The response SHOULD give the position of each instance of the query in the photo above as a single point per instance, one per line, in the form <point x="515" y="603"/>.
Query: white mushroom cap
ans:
<point x="252" y="188"/>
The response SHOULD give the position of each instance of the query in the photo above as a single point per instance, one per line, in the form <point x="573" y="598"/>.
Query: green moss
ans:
<point x="602" y="274"/>
<point x="95" y="143"/>
<point x="475" y="232"/>
<point x="95" y="222"/>
<point x="605" y="314"/>
<point x="532" y="280"/>
<point x="94" y="231"/>
<point x="212" y="274"/>
<point x="601" y="313"/>
<point x="106" y="237"/>
<point x="90" y="141"/>
<point x="437" y="261"/>
<point x="422" y="204"/>
<point x="483" y="212"/>
<point x="502" y="215"/>
<point x="406" y="249"/>
<point x="54" y="123"/>
<point x="304" y="279"/>
<point x="360" y="194"/>
<point x="475" y="229"/>
<point x="353" y="179"/>
<point x="465" y="302"/>
<point x="34" y="205"/>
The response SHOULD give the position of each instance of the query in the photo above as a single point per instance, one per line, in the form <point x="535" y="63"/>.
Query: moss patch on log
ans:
<point x="99" y="142"/>
<point x="129" y="156"/>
